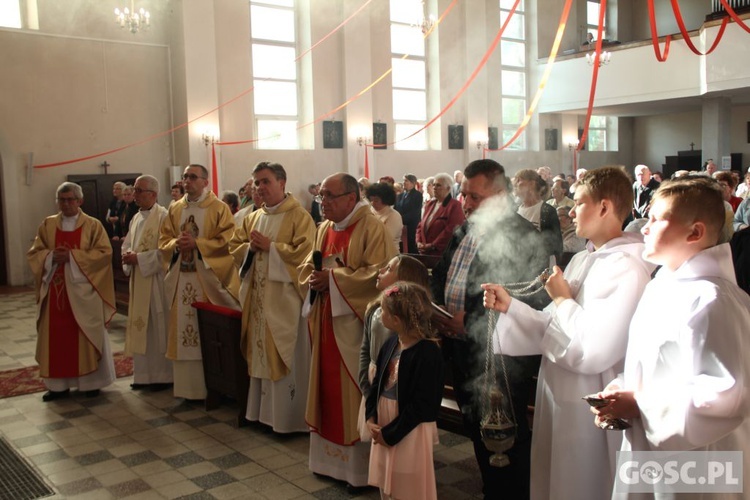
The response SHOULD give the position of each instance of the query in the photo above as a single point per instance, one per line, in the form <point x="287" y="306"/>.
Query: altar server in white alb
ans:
<point x="687" y="369"/>
<point x="148" y="310"/>
<point x="582" y="336"/>
<point x="268" y="247"/>
<point x="195" y="240"/>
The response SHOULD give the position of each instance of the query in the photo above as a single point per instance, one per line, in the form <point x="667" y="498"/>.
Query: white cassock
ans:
<point x="147" y="340"/>
<point x="582" y="342"/>
<point x="105" y="374"/>
<point x="688" y="363"/>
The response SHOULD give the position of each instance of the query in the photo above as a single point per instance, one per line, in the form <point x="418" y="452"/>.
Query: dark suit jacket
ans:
<point x="448" y="216"/>
<point x="315" y="212"/>
<point x="642" y="200"/>
<point x="549" y="225"/>
<point x="409" y="205"/>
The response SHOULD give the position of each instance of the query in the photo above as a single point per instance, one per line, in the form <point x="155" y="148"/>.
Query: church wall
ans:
<point x="93" y="87"/>
<point x="663" y="135"/>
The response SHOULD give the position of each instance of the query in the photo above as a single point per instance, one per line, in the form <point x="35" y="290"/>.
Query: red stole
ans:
<point x="64" y="334"/>
<point x="332" y="371"/>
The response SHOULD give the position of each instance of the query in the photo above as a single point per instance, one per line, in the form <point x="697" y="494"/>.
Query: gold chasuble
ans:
<point x="354" y="254"/>
<point x="207" y="273"/>
<point x="78" y="302"/>
<point x="270" y="292"/>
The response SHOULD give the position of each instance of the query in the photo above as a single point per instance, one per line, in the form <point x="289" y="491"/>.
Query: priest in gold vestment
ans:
<point x="354" y="245"/>
<point x="195" y="241"/>
<point x="148" y="311"/>
<point x="71" y="259"/>
<point x="268" y="247"/>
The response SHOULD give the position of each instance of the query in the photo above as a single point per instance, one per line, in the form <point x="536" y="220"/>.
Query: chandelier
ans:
<point x="132" y="20"/>
<point x="604" y="58"/>
<point x="425" y="23"/>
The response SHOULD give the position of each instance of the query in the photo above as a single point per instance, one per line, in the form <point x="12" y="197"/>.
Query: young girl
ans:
<point x="400" y="268"/>
<point x="405" y="396"/>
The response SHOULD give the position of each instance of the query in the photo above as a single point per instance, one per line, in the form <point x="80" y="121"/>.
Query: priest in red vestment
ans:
<point x="71" y="260"/>
<point x="354" y="245"/>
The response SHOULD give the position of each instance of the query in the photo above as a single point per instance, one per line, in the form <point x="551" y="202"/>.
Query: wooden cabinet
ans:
<point x="224" y="367"/>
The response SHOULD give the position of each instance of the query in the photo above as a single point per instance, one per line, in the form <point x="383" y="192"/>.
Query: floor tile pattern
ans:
<point x="149" y="445"/>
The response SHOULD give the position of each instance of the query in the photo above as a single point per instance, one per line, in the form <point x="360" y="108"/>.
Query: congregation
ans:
<point x="360" y="307"/>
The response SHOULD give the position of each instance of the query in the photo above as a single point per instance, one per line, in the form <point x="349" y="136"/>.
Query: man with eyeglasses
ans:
<point x="268" y="246"/>
<point x="194" y="240"/>
<point x="353" y="245"/>
<point x="146" y="334"/>
<point x="71" y="259"/>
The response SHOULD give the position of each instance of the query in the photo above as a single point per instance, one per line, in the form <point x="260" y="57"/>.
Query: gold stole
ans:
<point x="139" y="304"/>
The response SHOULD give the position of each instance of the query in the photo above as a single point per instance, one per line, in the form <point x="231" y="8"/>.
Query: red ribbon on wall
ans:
<point x="686" y="36"/>
<point x="734" y="15"/>
<point x="594" y="75"/>
<point x="655" y="37"/>
<point x="367" y="165"/>
<point x="214" y="170"/>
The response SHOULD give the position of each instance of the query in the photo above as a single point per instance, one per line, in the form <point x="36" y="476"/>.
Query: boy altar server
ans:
<point x="582" y="336"/>
<point x="687" y="372"/>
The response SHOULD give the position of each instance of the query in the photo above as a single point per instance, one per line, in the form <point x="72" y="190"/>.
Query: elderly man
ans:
<point x="559" y="195"/>
<point x="409" y="205"/>
<point x="494" y="243"/>
<point x="71" y="260"/>
<point x="148" y="320"/>
<point x="268" y="247"/>
<point x="644" y="188"/>
<point x="352" y="245"/>
<point x="194" y="239"/>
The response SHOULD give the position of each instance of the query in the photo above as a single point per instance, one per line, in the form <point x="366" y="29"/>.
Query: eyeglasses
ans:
<point x="67" y="200"/>
<point x="192" y="177"/>
<point x="329" y="196"/>
<point x="139" y="191"/>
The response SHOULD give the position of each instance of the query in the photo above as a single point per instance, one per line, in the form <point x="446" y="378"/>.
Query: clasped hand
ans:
<point x="61" y="255"/>
<point x="259" y="242"/>
<point x="130" y="258"/>
<point x="376" y="432"/>
<point x="186" y="242"/>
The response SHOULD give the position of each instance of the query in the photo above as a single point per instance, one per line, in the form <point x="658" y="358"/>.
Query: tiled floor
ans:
<point x="150" y="445"/>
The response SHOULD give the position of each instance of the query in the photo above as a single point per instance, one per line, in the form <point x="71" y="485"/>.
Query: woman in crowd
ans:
<point x="382" y="197"/>
<point x="530" y="189"/>
<point x="441" y="216"/>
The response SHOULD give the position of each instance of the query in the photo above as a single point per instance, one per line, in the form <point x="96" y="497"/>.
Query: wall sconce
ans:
<point x="604" y="58"/>
<point x="481" y="144"/>
<point x="208" y="138"/>
<point x="361" y="141"/>
<point x="573" y="144"/>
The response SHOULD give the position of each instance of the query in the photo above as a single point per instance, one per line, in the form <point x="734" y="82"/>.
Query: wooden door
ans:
<point x="97" y="193"/>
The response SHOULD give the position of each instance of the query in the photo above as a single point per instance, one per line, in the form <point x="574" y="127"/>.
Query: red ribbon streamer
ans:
<point x="183" y="125"/>
<point x="686" y="36"/>
<point x="655" y="37"/>
<point x="594" y="75"/>
<point x="367" y="165"/>
<point x="334" y="30"/>
<point x="543" y="83"/>
<point x="380" y="78"/>
<point x="734" y="15"/>
<point x="473" y="75"/>
<point x="214" y="170"/>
